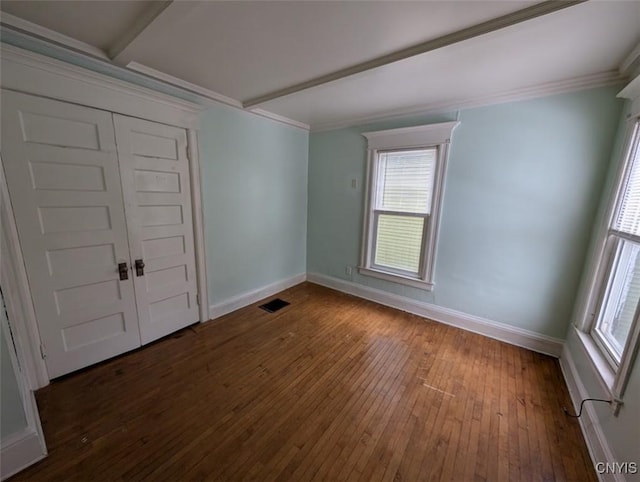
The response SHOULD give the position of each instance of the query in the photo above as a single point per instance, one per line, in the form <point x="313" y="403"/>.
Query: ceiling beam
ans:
<point x="119" y="52"/>
<point x="467" y="33"/>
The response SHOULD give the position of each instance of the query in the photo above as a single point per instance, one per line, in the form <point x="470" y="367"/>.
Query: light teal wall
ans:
<point x="254" y="178"/>
<point x="521" y="192"/>
<point x="12" y="417"/>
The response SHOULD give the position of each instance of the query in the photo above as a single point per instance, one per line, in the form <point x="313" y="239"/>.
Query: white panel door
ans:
<point x="155" y="179"/>
<point x="62" y="171"/>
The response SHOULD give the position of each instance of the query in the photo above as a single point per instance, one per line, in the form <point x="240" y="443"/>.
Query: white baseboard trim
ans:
<point x="499" y="331"/>
<point x="18" y="451"/>
<point x="219" y="309"/>
<point x="589" y="423"/>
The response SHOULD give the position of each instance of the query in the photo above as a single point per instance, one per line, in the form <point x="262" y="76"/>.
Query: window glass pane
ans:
<point x="405" y="180"/>
<point x="622" y="299"/>
<point x="628" y="218"/>
<point x="399" y="242"/>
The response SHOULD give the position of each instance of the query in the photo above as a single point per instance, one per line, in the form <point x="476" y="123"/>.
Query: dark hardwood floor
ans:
<point x="329" y="388"/>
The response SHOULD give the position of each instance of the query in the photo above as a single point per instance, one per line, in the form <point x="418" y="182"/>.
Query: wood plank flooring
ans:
<point x="329" y="388"/>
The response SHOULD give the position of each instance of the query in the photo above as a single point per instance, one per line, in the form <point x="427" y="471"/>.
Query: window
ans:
<point x="615" y="326"/>
<point x="405" y="177"/>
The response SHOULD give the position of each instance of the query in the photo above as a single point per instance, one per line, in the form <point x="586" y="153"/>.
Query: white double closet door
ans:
<point x="93" y="194"/>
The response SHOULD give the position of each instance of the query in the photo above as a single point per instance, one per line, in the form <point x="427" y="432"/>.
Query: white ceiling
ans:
<point x="249" y="48"/>
<point x="246" y="49"/>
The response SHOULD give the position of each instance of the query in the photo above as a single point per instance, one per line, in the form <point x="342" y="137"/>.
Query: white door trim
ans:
<point x="19" y="451"/>
<point x="198" y="224"/>
<point x="17" y="294"/>
<point x="27" y="446"/>
<point x="35" y="74"/>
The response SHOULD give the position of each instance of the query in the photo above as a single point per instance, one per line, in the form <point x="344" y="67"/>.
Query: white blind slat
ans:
<point x="628" y="217"/>
<point x="405" y="180"/>
<point x="399" y="242"/>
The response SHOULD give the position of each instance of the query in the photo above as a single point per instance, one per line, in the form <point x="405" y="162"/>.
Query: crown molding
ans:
<point x="30" y="72"/>
<point x="34" y="30"/>
<point x="182" y="84"/>
<point x="280" y="118"/>
<point x="210" y="94"/>
<point x="601" y="79"/>
<point x="631" y="63"/>
<point x="67" y="45"/>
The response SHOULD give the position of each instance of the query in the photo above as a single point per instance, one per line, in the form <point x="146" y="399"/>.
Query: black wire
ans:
<point x="582" y="404"/>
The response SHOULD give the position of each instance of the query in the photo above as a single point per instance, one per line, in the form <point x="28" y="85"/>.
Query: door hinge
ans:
<point x="43" y="354"/>
<point x="198" y="299"/>
<point x="188" y="152"/>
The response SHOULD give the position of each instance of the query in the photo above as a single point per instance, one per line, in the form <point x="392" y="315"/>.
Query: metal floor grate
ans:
<point x="274" y="305"/>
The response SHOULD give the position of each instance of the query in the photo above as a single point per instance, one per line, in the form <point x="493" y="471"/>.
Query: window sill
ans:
<point x="405" y="280"/>
<point x="600" y="364"/>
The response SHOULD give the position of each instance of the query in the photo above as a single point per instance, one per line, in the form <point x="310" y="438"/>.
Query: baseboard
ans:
<point x="589" y="423"/>
<point x="18" y="451"/>
<point x="499" y="331"/>
<point x="219" y="309"/>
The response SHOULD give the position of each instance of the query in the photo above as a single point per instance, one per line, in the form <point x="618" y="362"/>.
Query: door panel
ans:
<point x="62" y="170"/>
<point x="155" y="178"/>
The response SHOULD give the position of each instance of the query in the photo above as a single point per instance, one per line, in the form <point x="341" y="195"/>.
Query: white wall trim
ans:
<point x="240" y="301"/>
<point x="32" y="73"/>
<point x="24" y="26"/>
<point x="183" y="84"/>
<point x="200" y="250"/>
<point x="137" y="68"/>
<point x="589" y="423"/>
<point x="28" y="446"/>
<point x="17" y="294"/>
<point x="604" y="374"/>
<point x="18" y="451"/>
<point x="632" y="92"/>
<point x="631" y="63"/>
<point x="416" y="136"/>
<point x="601" y="79"/>
<point x="492" y="329"/>
<point x="210" y="94"/>
<point x="280" y="118"/>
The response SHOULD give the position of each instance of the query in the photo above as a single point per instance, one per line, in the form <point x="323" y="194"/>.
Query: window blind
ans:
<point x="403" y="204"/>
<point x="628" y="217"/>
<point x="627" y="302"/>
<point x="399" y="242"/>
<point x="405" y="180"/>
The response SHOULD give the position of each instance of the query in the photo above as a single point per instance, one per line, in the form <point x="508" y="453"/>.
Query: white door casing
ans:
<point x="91" y="190"/>
<point x="32" y="73"/>
<point x="62" y="171"/>
<point x="156" y="186"/>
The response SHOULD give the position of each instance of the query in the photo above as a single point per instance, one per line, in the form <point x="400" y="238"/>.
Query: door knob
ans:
<point x="139" y="267"/>
<point x="123" y="270"/>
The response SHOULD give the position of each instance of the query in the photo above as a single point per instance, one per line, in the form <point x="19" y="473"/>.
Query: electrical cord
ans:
<point x="564" y="409"/>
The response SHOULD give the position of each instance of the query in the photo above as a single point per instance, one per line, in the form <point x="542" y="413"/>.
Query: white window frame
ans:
<point x="431" y="136"/>
<point x="613" y="373"/>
